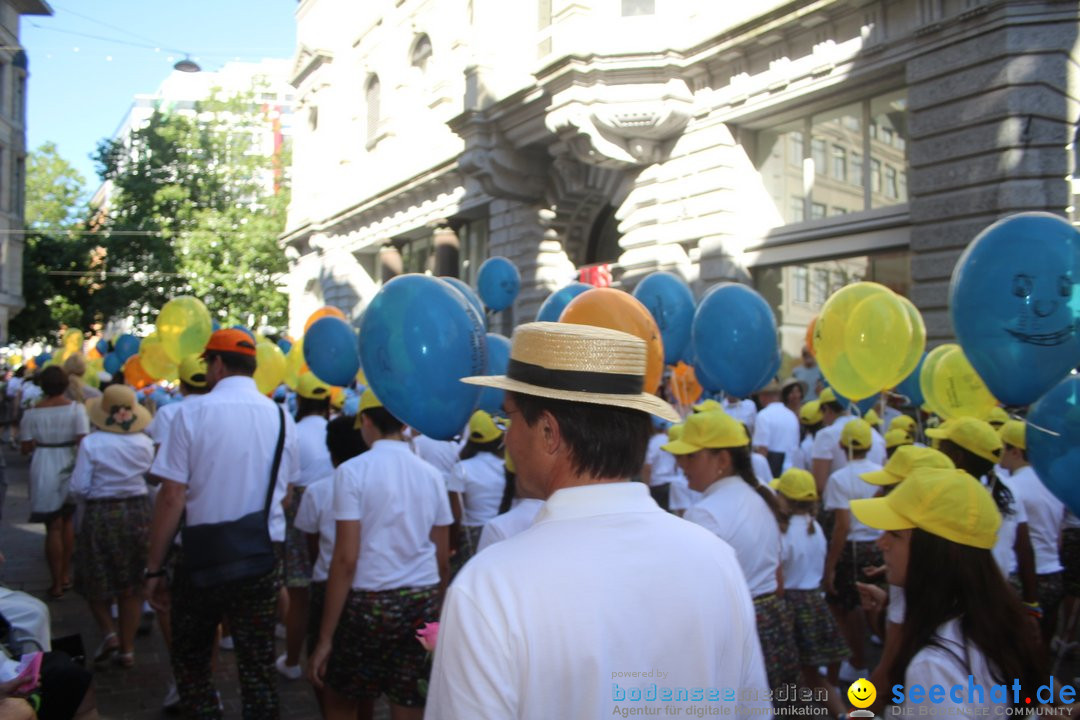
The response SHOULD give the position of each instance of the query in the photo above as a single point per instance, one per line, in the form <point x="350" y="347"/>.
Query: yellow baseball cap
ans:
<point x="482" y="428"/>
<point x="904" y="461"/>
<point x="508" y="463"/>
<point x="368" y="401"/>
<point x="827" y="396"/>
<point x="903" y="422"/>
<point x="312" y="388"/>
<point x="971" y="434"/>
<point x="709" y="430"/>
<point x="897" y="437"/>
<point x="872" y="418"/>
<point x="795" y="484"/>
<point x="708" y="406"/>
<point x="810" y="413"/>
<point x="997" y="417"/>
<point x="192" y="371"/>
<point x="1014" y="432"/>
<point x="948" y="503"/>
<point x="856" y="434"/>
<point x="674" y="432"/>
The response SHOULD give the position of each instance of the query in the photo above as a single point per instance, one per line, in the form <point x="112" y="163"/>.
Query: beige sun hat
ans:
<point x="118" y="411"/>
<point x="579" y="363"/>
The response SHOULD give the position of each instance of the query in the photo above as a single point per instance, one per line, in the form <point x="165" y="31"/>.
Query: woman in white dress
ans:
<point x="51" y="431"/>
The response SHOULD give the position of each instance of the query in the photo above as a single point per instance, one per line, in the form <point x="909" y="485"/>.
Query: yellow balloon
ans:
<point x="294" y="364"/>
<point x="830" y="341"/>
<point x="155" y="359"/>
<point x="958" y="389"/>
<point x="876" y="339"/>
<point x="93" y="367"/>
<point x="73" y="341"/>
<point x="926" y="376"/>
<point x="917" y="345"/>
<point x="269" y="366"/>
<point x="184" y="326"/>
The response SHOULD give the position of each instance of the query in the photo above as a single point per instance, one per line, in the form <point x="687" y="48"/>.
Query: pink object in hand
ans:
<point x="428" y="635"/>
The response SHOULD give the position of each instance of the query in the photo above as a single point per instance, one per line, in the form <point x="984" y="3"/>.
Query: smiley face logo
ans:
<point x="862" y="693"/>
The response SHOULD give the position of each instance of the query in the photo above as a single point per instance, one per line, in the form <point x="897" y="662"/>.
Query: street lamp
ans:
<point x="187" y="65"/>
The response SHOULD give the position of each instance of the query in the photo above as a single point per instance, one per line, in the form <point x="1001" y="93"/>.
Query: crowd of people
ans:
<point x="763" y="546"/>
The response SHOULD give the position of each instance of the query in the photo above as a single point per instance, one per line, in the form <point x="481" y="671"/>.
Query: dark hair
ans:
<point x="805" y="430"/>
<point x="946" y="580"/>
<point x="604" y="441"/>
<point x="53" y="380"/>
<point x="979" y="467"/>
<point x="21" y="371"/>
<point x="473" y="448"/>
<point x="381" y="417"/>
<point x="798" y="507"/>
<point x="194" y="389"/>
<point x="744" y="468"/>
<point x="1023" y="451"/>
<point x="235" y="363"/>
<point x="836" y="407"/>
<point x="311" y="406"/>
<point x="343" y="439"/>
<point x="785" y="393"/>
<point x="509" y="491"/>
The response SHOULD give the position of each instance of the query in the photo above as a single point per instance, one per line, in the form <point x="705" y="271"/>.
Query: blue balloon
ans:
<point x="771" y="372"/>
<point x="734" y="336"/>
<point x="43" y="358"/>
<point x="420" y="338"/>
<point x="351" y="405"/>
<point x="331" y="351"/>
<point x="498" y="357"/>
<point x="1015" y="305"/>
<point x="125" y="346"/>
<point x="215" y="325"/>
<point x="498" y="283"/>
<point x="113" y="363"/>
<point x="1053" y="441"/>
<point x="910" y="387"/>
<point x="557" y="301"/>
<point x="669" y="300"/>
<point x="102" y="347"/>
<point x="250" y="334"/>
<point x="284" y="345"/>
<point x="470" y="295"/>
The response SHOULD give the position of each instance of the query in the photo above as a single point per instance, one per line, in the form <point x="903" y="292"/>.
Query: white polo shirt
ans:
<point x="443" y="454"/>
<point x="1045" y="516"/>
<point x="803" y="554"/>
<point x="316" y="517"/>
<point x="950" y="659"/>
<point x="745" y="411"/>
<point x="159" y="426"/>
<point x="222" y="449"/>
<point x="482" y="481"/>
<point x="827" y="444"/>
<point x="845" y="485"/>
<point x="737" y="514"/>
<point x="515" y="520"/>
<point x="1004" y="550"/>
<point x="397" y="498"/>
<point x="314" y="455"/>
<point x="777" y="429"/>
<point x="112" y="465"/>
<point x="544" y="625"/>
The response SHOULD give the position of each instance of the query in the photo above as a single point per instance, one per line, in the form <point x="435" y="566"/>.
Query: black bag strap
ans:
<point x="277" y="461"/>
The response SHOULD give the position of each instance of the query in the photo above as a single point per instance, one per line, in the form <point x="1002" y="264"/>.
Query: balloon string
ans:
<point x="1048" y="431"/>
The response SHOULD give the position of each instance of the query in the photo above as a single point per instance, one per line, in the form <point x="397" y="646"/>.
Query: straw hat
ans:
<point x="579" y="363"/>
<point x="118" y="411"/>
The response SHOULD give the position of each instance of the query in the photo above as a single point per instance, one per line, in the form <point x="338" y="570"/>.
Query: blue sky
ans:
<point x="81" y="87"/>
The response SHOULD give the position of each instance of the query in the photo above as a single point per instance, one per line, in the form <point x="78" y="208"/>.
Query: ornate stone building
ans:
<point x="796" y="146"/>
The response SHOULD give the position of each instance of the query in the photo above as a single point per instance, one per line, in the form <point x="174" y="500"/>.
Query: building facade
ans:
<point x="796" y="146"/>
<point x="14" y="71"/>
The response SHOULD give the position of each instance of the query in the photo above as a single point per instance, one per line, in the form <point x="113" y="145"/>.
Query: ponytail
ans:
<point x="980" y="467"/>
<point x="744" y="468"/>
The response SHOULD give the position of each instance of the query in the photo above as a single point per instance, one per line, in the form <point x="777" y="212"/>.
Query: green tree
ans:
<point x="55" y="191"/>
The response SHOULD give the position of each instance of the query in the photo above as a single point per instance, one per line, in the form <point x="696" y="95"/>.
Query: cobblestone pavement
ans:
<point x="134" y="694"/>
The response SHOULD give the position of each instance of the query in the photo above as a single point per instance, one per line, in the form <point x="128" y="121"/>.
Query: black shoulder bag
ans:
<point x="219" y="553"/>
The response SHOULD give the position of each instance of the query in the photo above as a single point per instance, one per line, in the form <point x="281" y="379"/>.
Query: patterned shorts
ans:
<point x="297" y="565"/>
<point x="817" y="635"/>
<point x="1070" y="558"/>
<point x="849" y="569"/>
<point x="468" y="540"/>
<point x="316" y="602"/>
<point x="375" y="648"/>
<point x="111" y="547"/>
<point x="1051" y="591"/>
<point x="776" y="634"/>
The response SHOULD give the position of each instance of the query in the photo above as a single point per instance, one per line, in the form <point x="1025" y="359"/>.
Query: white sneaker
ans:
<point x="172" y="697"/>
<point x="226" y="643"/>
<point x="289" y="672"/>
<point x="849" y="674"/>
<point x="279" y="631"/>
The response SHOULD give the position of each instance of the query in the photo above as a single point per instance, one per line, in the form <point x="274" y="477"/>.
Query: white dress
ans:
<point x="55" y="430"/>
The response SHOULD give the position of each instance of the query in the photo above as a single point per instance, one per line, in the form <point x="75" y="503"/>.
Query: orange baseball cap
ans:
<point x="231" y="340"/>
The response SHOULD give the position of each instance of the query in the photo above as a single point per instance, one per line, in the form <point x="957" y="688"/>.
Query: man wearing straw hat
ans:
<point x="560" y="620"/>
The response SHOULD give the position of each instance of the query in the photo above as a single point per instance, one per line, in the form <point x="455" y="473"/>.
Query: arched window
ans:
<point x="371" y="99"/>
<point x="421" y="52"/>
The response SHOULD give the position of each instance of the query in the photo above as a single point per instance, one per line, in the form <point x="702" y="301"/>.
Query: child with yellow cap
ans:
<point x="817" y="636"/>
<point x="476" y="484"/>
<point x="964" y="630"/>
<point x="810" y="418"/>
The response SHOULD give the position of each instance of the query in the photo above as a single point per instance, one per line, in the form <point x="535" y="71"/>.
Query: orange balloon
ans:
<point x="324" y="312"/>
<point x="683" y="385"/>
<point x="810" y="335"/>
<point x="618" y="310"/>
<point x="135" y="375"/>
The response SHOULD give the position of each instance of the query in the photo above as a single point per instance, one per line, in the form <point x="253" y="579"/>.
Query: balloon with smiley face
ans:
<point x="498" y="283"/>
<point x="1015" y="304"/>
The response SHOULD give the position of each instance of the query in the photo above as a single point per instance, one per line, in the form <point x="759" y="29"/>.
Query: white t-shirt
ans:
<point x="661" y="470"/>
<point x="801" y="458"/>
<point x="878" y="452"/>
<point x="762" y="471"/>
<point x="482" y="481"/>
<point x="397" y="498"/>
<point x="1045" y="515"/>
<point x="443" y="454"/>
<point x="159" y="426"/>
<point x="737" y="514"/>
<point x="112" y="465"/>
<point x="745" y="411"/>
<point x="803" y="554"/>
<point x="680" y="496"/>
<point x="543" y="625"/>
<point x="827" y="444"/>
<point x="777" y="429"/>
<point x="515" y="520"/>
<point x="13" y="385"/>
<point x="31" y="393"/>
<point x="897" y="605"/>
<point x="316" y="517"/>
<point x="314" y="455"/>
<point x="845" y="485"/>
<point x="1004" y="550"/>
<point x="948" y="663"/>
<point x="222" y="449"/>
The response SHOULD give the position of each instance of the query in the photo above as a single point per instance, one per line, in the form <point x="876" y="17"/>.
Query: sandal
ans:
<point x="110" y="645"/>
<point x="125" y="660"/>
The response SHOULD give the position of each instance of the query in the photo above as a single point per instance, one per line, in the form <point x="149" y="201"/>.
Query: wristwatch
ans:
<point x="147" y="574"/>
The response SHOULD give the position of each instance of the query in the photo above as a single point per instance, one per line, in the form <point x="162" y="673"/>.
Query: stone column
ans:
<point x="447" y="251"/>
<point x="390" y="264"/>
